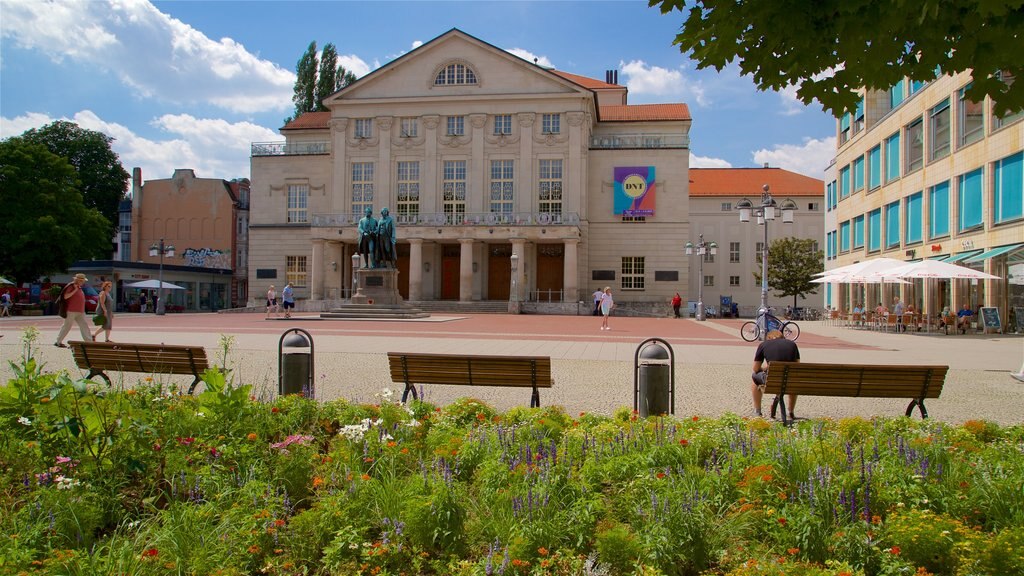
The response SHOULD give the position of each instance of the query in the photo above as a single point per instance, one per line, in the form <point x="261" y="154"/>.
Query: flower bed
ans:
<point x="150" y="481"/>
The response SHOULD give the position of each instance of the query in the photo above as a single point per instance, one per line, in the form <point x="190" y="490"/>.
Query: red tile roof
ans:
<point x="748" y="182"/>
<point x="644" y="112"/>
<point x="589" y="83"/>
<point x="309" y="121"/>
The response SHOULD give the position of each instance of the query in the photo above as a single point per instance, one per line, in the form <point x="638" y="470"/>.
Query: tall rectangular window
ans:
<point x="632" y="273"/>
<point x="858" y="174"/>
<point x="938" y="210"/>
<point x="454" y="191"/>
<point x="709" y="280"/>
<point x="362" y="187"/>
<point x="844" y="128"/>
<point x="913" y="217"/>
<point x="916" y="85"/>
<point x="734" y="252"/>
<point x="844" y="236"/>
<point x="939" y="131"/>
<point x="844" y="182"/>
<point x="915" y="145"/>
<point x="892" y="157"/>
<point x="364" y="127"/>
<point x="759" y="247"/>
<point x="858" y="117"/>
<point x="502" y="186"/>
<point x="296" y="272"/>
<point x="897" y="94"/>
<point x="408" y="181"/>
<point x="409" y="127"/>
<point x="969" y="199"/>
<point x="858" y="232"/>
<point x="828" y="196"/>
<point x="1009" y="118"/>
<point x="550" y="186"/>
<point x="1008" y="189"/>
<point x="892" y="225"/>
<point x="875" y="230"/>
<point x="875" y="167"/>
<point x="503" y="124"/>
<point x="456" y="126"/>
<point x="551" y="123"/>
<point x="970" y="119"/>
<point x="298" y="199"/>
<point x="734" y="280"/>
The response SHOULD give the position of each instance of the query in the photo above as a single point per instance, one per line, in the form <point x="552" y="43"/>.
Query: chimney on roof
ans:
<point x="765" y="164"/>
<point x="611" y="76"/>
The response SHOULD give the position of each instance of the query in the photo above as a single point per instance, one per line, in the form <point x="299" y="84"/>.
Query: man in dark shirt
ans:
<point x="774" y="348"/>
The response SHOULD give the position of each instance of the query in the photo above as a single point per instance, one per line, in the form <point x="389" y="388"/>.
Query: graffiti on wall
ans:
<point x="207" y="258"/>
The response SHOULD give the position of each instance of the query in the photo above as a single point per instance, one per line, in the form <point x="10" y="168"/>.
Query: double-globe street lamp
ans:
<point x="161" y="250"/>
<point x="701" y="248"/>
<point x="765" y="213"/>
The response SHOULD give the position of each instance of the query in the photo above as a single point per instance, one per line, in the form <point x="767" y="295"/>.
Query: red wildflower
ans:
<point x="695" y="418"/>
<point x="793" y="551"/>
<point x="782" y="521"/>
<point x="660" y="475"/>
<point x="895" y="550"/>
<point x="275" y="410"/>
<point x="151" y="553"/>
<point x="684" y="442"/>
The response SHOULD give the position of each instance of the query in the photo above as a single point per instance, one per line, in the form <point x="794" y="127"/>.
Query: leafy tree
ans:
<point x="830" y="48"/>
<point x="103" y="181"/>
<point x="44" y="225"/>
<point x="316" y="79"/>
<point x="792" y="264"/>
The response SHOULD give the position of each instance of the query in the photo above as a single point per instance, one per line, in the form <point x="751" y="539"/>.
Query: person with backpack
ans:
<point x="71" y="307"/>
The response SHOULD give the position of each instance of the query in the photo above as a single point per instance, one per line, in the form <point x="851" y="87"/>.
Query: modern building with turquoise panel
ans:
<point x="923" y="172"/>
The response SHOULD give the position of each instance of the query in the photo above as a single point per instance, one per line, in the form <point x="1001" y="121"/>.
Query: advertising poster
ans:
<point x="634" y="191"/>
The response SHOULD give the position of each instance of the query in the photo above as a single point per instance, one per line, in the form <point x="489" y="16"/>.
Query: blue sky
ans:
<point x="192" y="84"/>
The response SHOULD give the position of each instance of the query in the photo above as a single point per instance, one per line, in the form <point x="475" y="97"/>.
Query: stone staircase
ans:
<point x="457" y="307"/>
<point x="374" y="312"/>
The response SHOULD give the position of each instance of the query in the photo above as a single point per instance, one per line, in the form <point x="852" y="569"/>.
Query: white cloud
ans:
<point x="155" y="55"/>
<point x="791" y="105"/>
<point x="648" y="80"/>
<point x="810" y="159"/>
<point x="214" y="148"/>
<point x="706" y="162"/>
<point x="356" y="65"/>
<point x="531" y="57"/>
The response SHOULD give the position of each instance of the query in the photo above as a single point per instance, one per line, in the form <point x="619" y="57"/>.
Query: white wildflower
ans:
<point x="25" y="421"/>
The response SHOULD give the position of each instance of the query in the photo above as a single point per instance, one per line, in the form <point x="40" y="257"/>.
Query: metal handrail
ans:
<point x="458" y="219"/>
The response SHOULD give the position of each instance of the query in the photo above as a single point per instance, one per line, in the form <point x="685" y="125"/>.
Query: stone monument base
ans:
<point x="377" y="286"/>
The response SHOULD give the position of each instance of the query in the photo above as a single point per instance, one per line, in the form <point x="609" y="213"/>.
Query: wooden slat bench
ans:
<point x="456" y="369"/>
<point x="145" y="358"/>
<point x="854" y="380"/>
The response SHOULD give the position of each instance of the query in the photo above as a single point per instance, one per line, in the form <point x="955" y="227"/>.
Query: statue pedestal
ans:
<point x="377" y="286"/>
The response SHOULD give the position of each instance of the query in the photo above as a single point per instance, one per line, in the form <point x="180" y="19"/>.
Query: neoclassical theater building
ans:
<point x="479" y="155"/>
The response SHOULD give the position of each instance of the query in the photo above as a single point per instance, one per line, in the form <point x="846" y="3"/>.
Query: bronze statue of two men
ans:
<point x="377" y="240"/>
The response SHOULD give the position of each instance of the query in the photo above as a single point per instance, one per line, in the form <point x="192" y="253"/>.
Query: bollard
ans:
<point x="654" y="381"/>
<point x="295" y="363"/>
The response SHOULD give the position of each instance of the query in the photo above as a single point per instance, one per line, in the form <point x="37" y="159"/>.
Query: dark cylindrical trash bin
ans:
<point x="654" y="390"/>
<point x="295" y="363"/>
<point x="294" y="373"/>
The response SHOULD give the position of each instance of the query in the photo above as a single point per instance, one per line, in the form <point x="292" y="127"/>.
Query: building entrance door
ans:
<point x="450" y="273"/>
<point x="499" y="271"/>
<point x="550" y="272"/>
<point x="402" y="251"/>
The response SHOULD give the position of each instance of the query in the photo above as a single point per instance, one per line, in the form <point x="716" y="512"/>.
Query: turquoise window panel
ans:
<point x="892" y="225"/>
<point x="875" y="167"/>
<point x="914" y="217"/>
<point x="844" y="236"/>
<point x="938" y="210"/>
<point x="858" y="174"/>
<point x="892" y="157"/>
<point x="1008" y="188"/>
<point x="969" y="199"/>
<point x="858" y="232"/>
<point x="875" y="230"/>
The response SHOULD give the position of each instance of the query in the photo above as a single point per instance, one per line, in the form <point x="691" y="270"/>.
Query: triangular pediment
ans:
<point x="498" y="73"/>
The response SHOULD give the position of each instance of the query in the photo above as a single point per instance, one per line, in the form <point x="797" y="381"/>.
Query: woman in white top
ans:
<point x="271" y="301"/>
<point x="607" y="303"/>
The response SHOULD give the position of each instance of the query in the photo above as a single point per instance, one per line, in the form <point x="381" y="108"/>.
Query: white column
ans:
<point x="519" y="249"/>
<point x="339" y="167"/>
<point x="415" y="269"/>
<point x="316" y="271"/>
<point x="569" y="272"/>
<point x="465" y="269"/>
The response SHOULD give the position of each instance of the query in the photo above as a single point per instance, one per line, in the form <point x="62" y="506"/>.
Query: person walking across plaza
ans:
<point x="5" y="304"/>
<point x="677" y="301"/>
<point x="607" y="304"/>
<point x="74" y="301"/>
<point x="105" y="306"/>
<point x="898" y="309"/>
<point x="775" y="348"/>
<point x="288" y="299"/>
<point x="272" y="302"/>
<point x="598" y="294"/>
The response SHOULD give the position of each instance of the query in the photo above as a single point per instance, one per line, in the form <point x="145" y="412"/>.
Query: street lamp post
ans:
<point x="765" y="213"/>
<point x="701" y="249"/>
<point x="161" y="250"/>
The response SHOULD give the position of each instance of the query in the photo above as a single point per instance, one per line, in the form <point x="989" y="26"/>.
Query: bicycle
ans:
<point x="751" y="331"/>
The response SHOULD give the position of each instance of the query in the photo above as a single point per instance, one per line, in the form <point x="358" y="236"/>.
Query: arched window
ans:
<point x="455" y="74"/>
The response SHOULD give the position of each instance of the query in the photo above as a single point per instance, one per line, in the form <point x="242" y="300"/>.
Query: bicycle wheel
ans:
<point x="791" y="331"/>
<point x="750" y="332"/>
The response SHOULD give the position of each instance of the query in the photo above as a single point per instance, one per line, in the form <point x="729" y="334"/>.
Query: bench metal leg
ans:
<point x="405" y="393"/>
<point x="194" y="384"/>
<point x="920" y="406"/>
<point x="95" y="372"/>
<point x="535" y="399"/>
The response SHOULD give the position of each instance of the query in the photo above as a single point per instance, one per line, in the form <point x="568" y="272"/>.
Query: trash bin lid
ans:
<point x="654" y="351"/>
<point x="295" y="340"/>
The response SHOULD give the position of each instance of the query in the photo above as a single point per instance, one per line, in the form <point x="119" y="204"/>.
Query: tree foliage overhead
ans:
<point x="792" y="264"/>
<point x="44" y="224"/>
<point x="103" y="181"/>
<point x="317" y="78"/>
<point x="830" y="48"/>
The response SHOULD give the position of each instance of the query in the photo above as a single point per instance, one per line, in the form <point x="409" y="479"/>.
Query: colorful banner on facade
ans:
<point x="634" y="191"/>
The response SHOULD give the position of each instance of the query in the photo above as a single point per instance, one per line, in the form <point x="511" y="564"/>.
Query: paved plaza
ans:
<point x="593" y="369"/>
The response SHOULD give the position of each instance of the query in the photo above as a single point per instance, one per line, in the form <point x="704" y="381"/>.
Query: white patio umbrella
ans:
<point x="871" y="264"/>
<point x="5" y="282"/>
<point x="938" y="269"/>
<point x="153" y="285"/>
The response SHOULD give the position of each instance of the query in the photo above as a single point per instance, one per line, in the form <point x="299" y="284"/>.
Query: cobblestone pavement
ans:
<point x="593" y="369"/>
